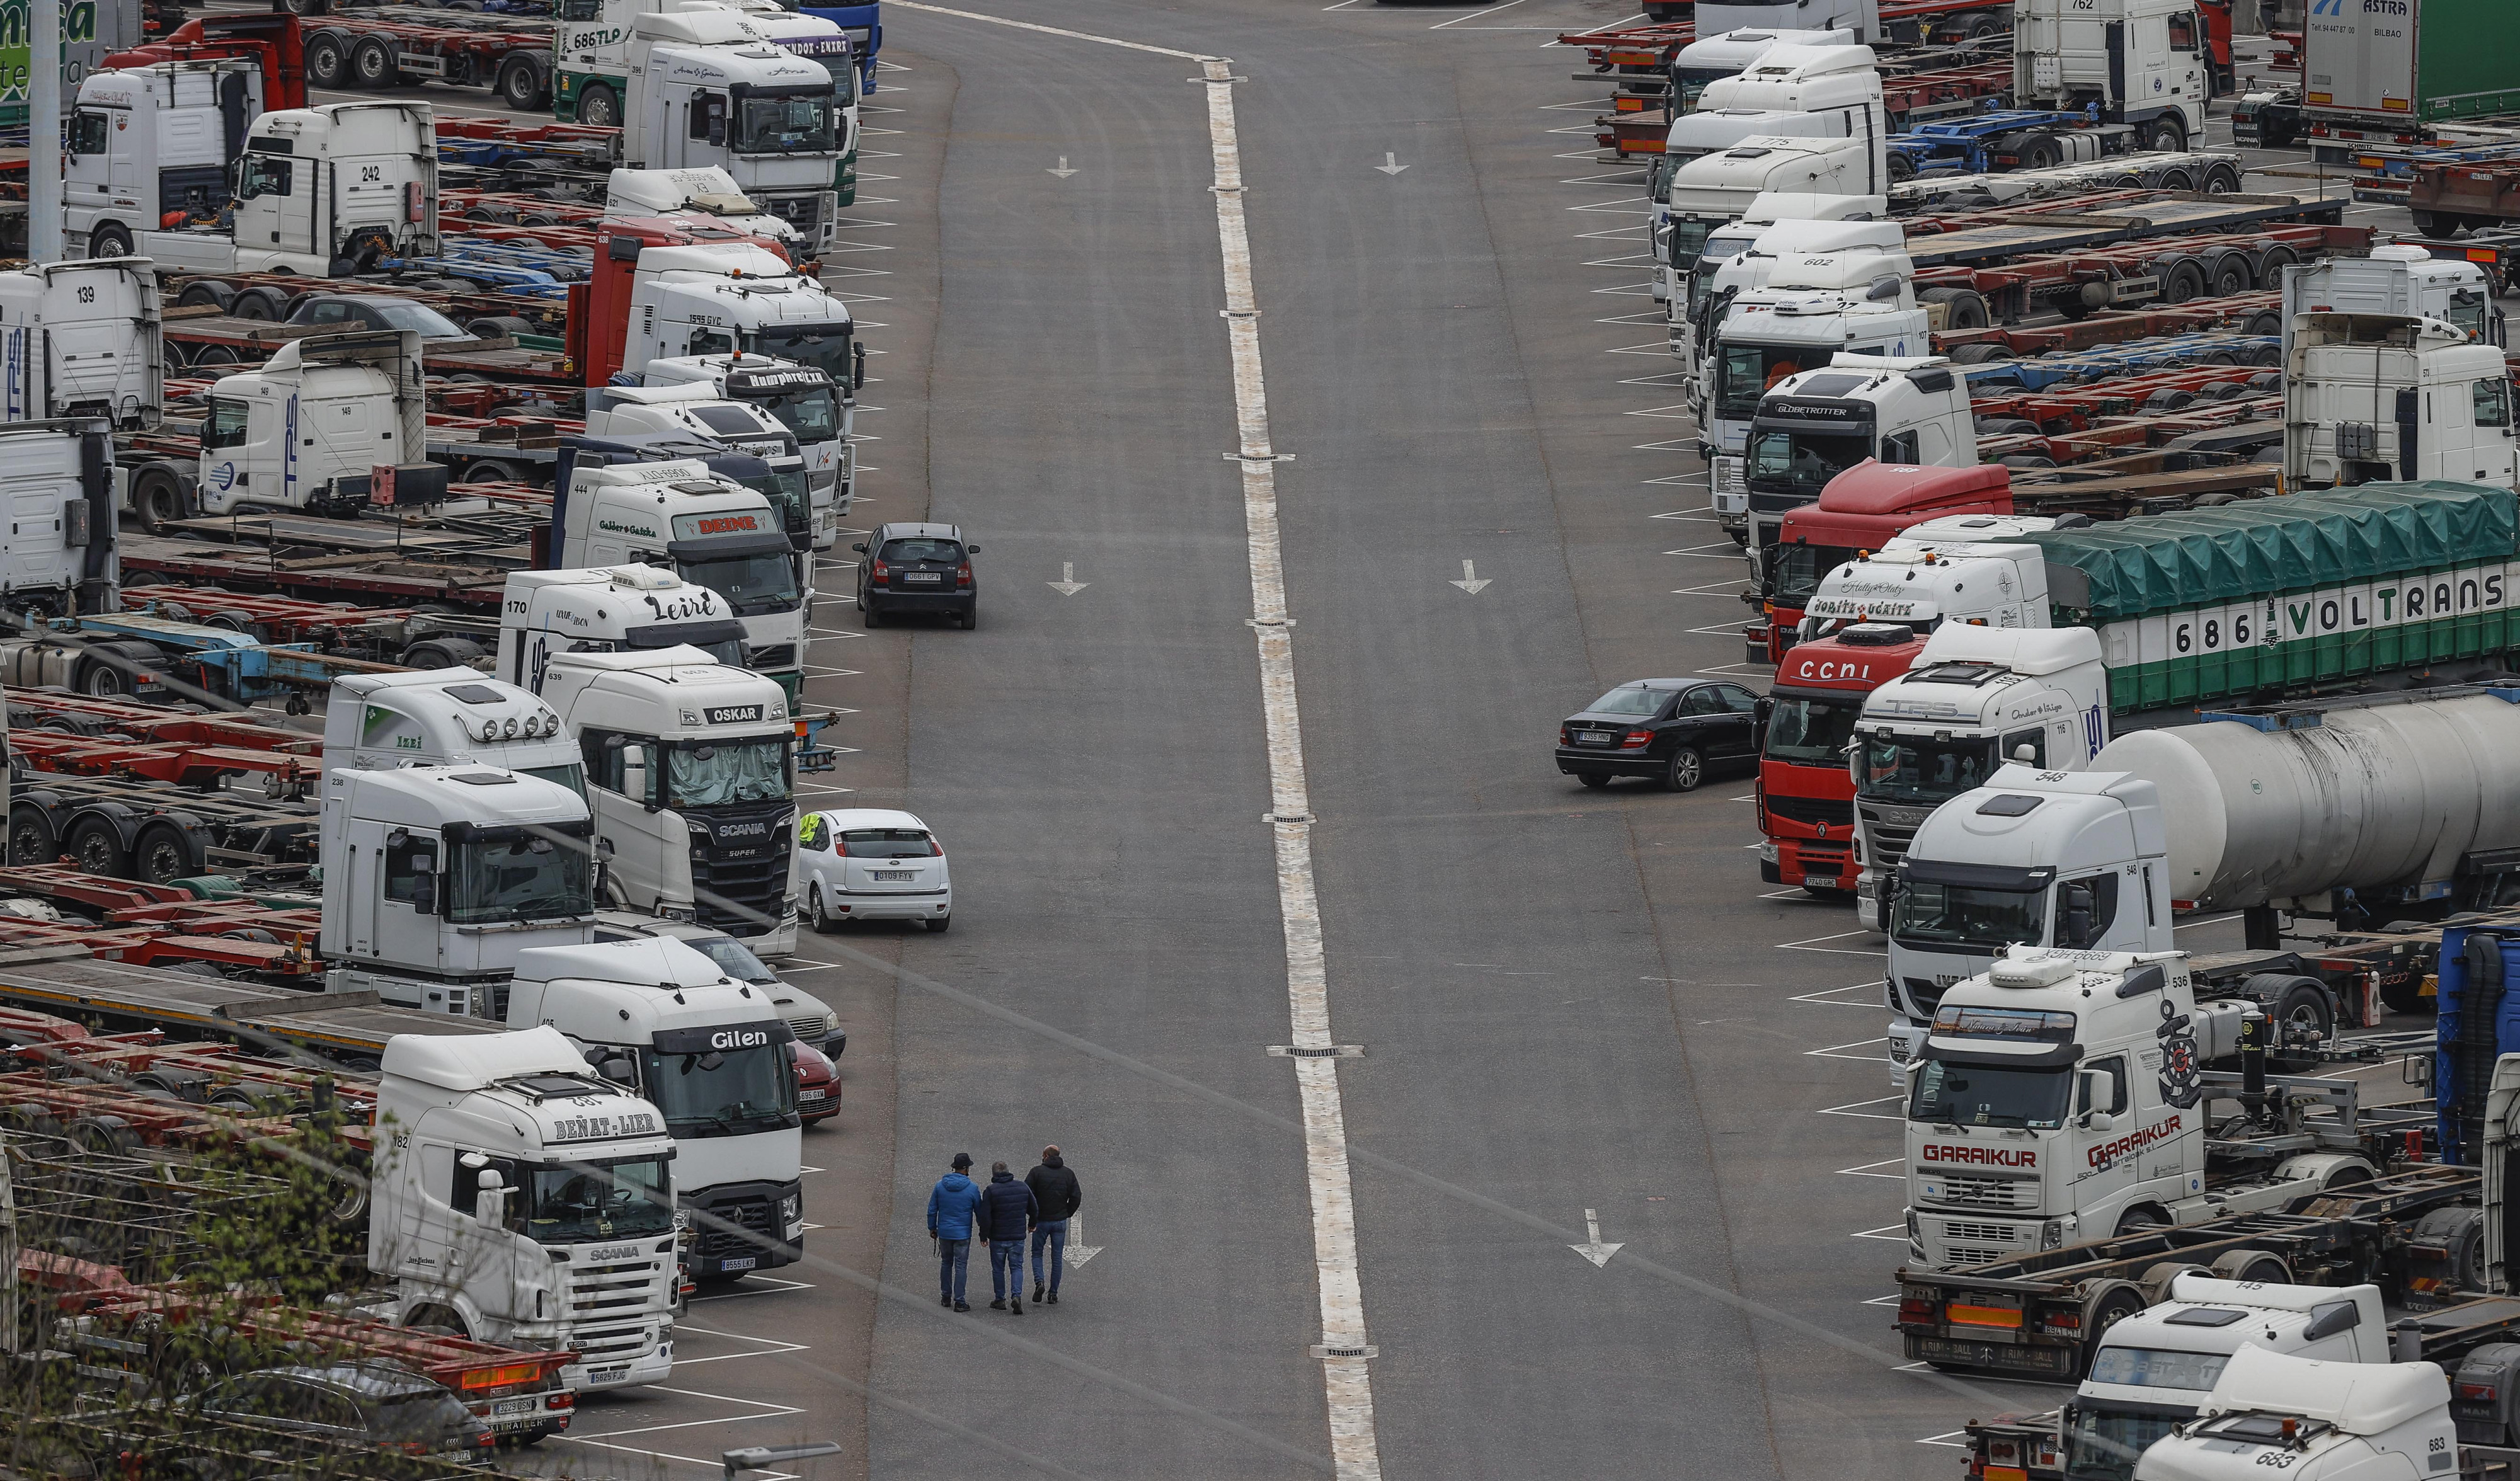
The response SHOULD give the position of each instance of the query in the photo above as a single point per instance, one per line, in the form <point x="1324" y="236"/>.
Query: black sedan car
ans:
<point x="918" y="568"/>
<point x="363" y="1403"/>
<point x="1672" y="730"/>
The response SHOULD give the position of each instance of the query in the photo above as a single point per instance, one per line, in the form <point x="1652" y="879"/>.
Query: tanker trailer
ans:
<point x="2359" y="810"/>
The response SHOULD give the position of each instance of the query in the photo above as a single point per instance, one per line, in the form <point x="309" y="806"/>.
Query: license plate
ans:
<point x="1591" y="738"/>
<point x="930" y="578"/>
<point x="896" y="874"/>
<point x="507" y="1408"/>
<point x="812" y="1097"/>
<point x="740" y="1262"/>
<point x="608" y="1374"/>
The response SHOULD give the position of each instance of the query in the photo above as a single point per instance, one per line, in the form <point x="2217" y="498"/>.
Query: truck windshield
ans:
<point x="519" y="875"/>
<point x="1744" y="373"/>
<point x="1690" y="81"/>
<point x="1811" y="729"/>
<point x="1689" y="238"/>
<point x="722" y="1093"/>
<point x="1977" y="1094"/>
<point x="1797" y="569"/>
<point x="1926" y="912"/>
<point x="722" y="641"/>
<point x="624" y="1199"/>
<point x="786" y="492"/>
<point x="811" y="412"/>
<point x="824" y="347"/>
<point x="713" y="772"/>
<point x="733" y="958"/>
<point x="797" y="124"/>
<point x="1919" y="769"/>
<point x="756" y="582"/>
<point x="1802" y="462"/>
<point x="2103" y="1444"/>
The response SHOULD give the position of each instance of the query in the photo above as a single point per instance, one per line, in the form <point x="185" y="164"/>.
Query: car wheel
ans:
<point x="1594" y="779"/>
<point x="1685" y="770"/>
<point x="874" y="614"/>
<point x="823" y="925"/>
<point x="971" y="616"/>
<point x="939" y="923"/>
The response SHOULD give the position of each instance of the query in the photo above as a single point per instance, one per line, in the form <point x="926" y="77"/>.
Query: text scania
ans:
<point x="2133" y="1142"/>
<point x="1983" y="1156"/>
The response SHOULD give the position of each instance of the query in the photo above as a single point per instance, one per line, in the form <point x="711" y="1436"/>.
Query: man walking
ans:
<point x="949" y="1224"/>
<point x="1055" y="1192"/>
<point x="1006" y="1214"/>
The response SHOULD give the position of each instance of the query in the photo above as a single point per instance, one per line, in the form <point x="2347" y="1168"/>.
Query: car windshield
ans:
<point x="733" y="958"/>
<point x="424" y="1415"/>
<point x="812" y="413"/>
<point x="521" y="875"/>
<point x="1910" y="769"/>
<point x="798" y="125"/>
<point x="1929" y="913"/>
<point x="621" y="1199"/>
<point x="945" y="551"/>
<point x="887" y="843"/>
<point x="571" y="774"/>
<point x="1628" y="699"/>
<point x="710" y="772"/>
<point x="418" y="317"/>
<point x="756" y="582"/>
<point x="1795" y="571"/>
<point x="2104" y="1444"/>
<point x="824" y="347"/>
<point x="720" y="1093"/>
<point x="1744" y="373"/>
<point x="1801" y="461"/>
<point x="1977" y="1094"/>
<point x="1811" y="729"/>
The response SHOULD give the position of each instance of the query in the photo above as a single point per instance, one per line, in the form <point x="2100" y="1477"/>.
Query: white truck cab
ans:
<point x="58" y="555"/>
<point x="710" y="532"/>
<point x="1740" y="257"/>
<point x="308" y="427"/>
<point x="819" y="411"/>
<point x="2141" y="62"/>
<point x="1814" y="307"/>
<point x="2405" y="282"/>
<point x="523" y="1199"/>
<point x="1717" y="188"/>
<point x="714" y="299"/>
<point x="694" y="412"/>
<point x="1810" y="426"/>
<point x="83" y="340"/>
<point x="2306" y="1419"/>
<point x="620" y="608"/>
<point x="446" y="717"/>
<point x="692" y="769"/>
<point x="704" y="191"/>
<point x="712" y="1053"/>
<point x="1716" y="57"/>
<point x="319" y="190"/>
<point x="2374" y="397"/>
<point x="709" y="87"/>
<point x="1960" y="568"/>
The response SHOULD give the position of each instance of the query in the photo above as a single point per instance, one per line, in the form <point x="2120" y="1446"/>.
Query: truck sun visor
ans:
<point x="1976" y="875"/>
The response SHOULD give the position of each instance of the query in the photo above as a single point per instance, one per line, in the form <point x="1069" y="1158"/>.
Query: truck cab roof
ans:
<point x="439" y="713"/>
<point x="2182" y="1344"/>
<point x="671" y="986"/>
<point x="2355" y="1398"/>
<point x="708" y="701"/>
<point x="485" y="797"/>
<point x="2025" y="825"/>
<point x="2042" y="1000"/>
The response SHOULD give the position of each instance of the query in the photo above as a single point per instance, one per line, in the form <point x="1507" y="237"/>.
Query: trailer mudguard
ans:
<point x="2478" y="1022"/>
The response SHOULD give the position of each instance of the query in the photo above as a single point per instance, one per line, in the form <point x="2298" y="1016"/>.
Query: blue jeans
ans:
<point x="1054" y="1231"/>
<point x="1006" y="1268"/>
<point x="954" y="1266"/>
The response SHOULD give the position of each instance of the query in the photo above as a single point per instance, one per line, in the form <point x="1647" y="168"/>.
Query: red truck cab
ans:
<point x="1860" y="511"/>
<point x="1806" y="792"/>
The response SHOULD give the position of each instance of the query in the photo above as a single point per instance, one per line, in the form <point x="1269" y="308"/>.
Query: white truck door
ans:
<point x="2108" y="1161"/>
<point x="2190" y="82"/>
<point x="405" y="892"/>
<point x="37" y="490"/>
<point x="2497" y="452"/>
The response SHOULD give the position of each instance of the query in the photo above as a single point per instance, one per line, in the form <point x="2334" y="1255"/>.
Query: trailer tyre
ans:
<point x="1965" y="307"/>
<point x="156" y="497"/>
<point x="2221" y="180"/>
<point x="373" y="64"/>
<point x="2232" y="274"/>
<point x="95" y="847"/>
<point x="2181" y="279"/>
<point x="31" y="840"/>
<point x="2261" y="1266"/>
<point x="2460" y="1232"/>
<point x="521" y="84"/>
<point x="262" y="304"/>
<point x="2157" y="1278"/>
<point x="205" y="292"/>
<point x="2040" y="152"/>
<point x="168" y="851"/>
<point x="599" y="106"/>
<point x="2299" y="1007"/>
<point x="1981" y="355"/>
<point x="328" y="59"/>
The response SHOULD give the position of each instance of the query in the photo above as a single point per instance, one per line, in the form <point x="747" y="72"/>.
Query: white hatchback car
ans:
<point x="871" y="864"/>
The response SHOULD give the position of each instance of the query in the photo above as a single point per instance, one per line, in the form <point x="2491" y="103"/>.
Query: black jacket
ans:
<point x="1005" y="1208"/>
<point x="1055" y="1188"/>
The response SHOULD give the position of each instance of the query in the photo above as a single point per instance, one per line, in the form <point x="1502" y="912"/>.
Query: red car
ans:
<point x="818" y="1083"/>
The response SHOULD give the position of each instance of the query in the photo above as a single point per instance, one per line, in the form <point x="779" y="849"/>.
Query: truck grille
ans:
<point x="1812" y="811"/>
<point x="1990" y="1193"/>
<point x="773" y="655"/>
<point x="1887" y="833"/>
<point x="740" y="870"/>
<point x="596" y="1344"/>
<point x="1923" y="996"/>
<point x="755" y="1236"/>
<point x="804" y="213"/>
<point x="1971" y="1243"/>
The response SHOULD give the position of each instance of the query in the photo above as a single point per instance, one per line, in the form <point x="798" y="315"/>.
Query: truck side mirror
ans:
<point x="2328" y="1319"/>
<point x="425" y="884"/>
<point x="2099" y="1088"/>
<point x="2074" y="925"/>
<point x="1763" y="709"/>
<point x="618" y="1070"/>
<point x="490" y="1203"/>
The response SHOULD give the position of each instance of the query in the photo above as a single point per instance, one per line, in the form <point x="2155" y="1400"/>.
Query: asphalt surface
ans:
<point x="1574" y="1009"/>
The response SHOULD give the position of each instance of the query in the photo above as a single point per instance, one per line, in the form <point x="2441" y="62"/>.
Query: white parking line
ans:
<point x="1849" y="1108"/>
<point x="1894" y="1232"/>
<point x="1865" y="1170"/>
<point x="1879" y="1043"/>
<point x="1806" y="944"/>
<point x="1827" y="996"/>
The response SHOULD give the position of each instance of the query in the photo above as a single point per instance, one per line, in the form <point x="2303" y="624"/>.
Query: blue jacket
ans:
<point x="949" y="1207"/>
<point x="1007" y="1208"/>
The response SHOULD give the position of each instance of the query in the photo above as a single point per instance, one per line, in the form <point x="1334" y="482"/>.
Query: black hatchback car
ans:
<point x="364" y="1403"/>
<point x="918" y="568"/>
<point x="1672" y="730"/>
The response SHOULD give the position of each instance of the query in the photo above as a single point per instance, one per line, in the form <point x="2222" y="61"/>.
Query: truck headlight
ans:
<point x="791" y="1208"/>
<point x="1768" y="852"/>
<point x="2051" y="1234"/>
<point x="1915" y="1237"/>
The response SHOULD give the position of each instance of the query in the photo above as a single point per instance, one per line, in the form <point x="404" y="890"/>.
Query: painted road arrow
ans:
<point x="1391" y="164"/>
<point x="1471" y="581"/>
<point x="1062" y="172"/>
<point x="1078" y="1253"/>
<point x="1595" y="1251"/>
<point x="1068" y="585"/>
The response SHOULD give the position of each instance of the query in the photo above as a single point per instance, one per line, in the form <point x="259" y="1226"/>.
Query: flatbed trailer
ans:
<point x="2039" y="1314"/>
<point x="459" y="579"/>
<point x="58" y="711"/>
<point x="373" y="49"/>
<point x="124" y="826"/>
<point x="1612" y="51"/>
<point x="2166" y="269"/>
<point x="203" y="339"/>
<point x="162" y="925"/>
<point x="2258" y="312"/>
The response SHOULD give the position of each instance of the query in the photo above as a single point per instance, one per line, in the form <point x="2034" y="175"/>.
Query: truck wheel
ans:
<point x="205" y="292"/>
<point x="598" y="107"/>
<point x="2461" y="1234"/>
<point x="2157" y="1278"/>
<point x="2221" y="180"/>
<point x="328" y="59"/>
<point x="156" y="498"/>
<point x="31" y="841"/>
<point x="2428" y="223"/>
<point x="521" y="85"/>
<point x="1981" y="355"/>
<point x="95" y="847"/>
<point x="265" y="305"/>
<point x="2231" y="275"/>
<point x="2166" y="136"/>
<point x="2140" y="1218"/>
<point x="2299" y="1006"/>
<point x="2177" y="178"/>
<point x="499" y="327"/>
<point x="109" y="239"/>
<point x="166" y="853"/>
<point x="2260" y="1266"/>
<point x="2040" y="152"/>
<point x="2184" y="279"/>
<point x="1966" y="307"/>
<point x="372" y="63"/>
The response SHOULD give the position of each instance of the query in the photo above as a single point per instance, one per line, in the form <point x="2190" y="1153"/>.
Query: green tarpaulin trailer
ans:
<point x="2284" y="593"/>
